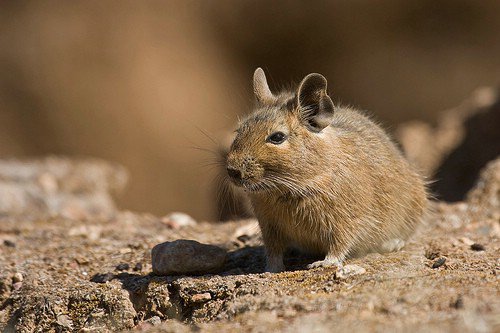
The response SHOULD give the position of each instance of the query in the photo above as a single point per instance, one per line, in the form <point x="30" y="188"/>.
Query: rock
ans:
<point x="431" y="253"/>
<point x="122" y="267"/>
<point x="234" y="294"/>
<point x="82" y="260"/>
<point x="479" y="145"/>
<point x="347" y="271"/>
<point x="84" y="307"/>
<point x="466" y="241"/>
<point x="458" y="303"/>
<point x="64" y="321"/>
<point x="70" y="283"/>
<point x="478" y="247"/>
<point x="178" y="220"/>
<point x="18" y="277"/>
<point x="75" y="189"/>
<point x="186" y="257"/>
<point x="449" y="151"/>
<point x="125" y="250"/>
<point x="102" y="278"/>
<point x="439" y="262"/>
<point x="485" y="195"/>
<point x="200" y="298"/>
<point x="89" y="231"/>
<point x="9" y="243"/>
<point x="155" y="321"/>
<point x="48" y="183"/>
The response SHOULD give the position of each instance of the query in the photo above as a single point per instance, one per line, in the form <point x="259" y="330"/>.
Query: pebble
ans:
<point x="138" y="267"/>
<point x="349" y="270"/>
<point x="439" y="262"/>
<point x="82" y="261"/>
<point x="147" y="324"/>
<point x="18" y="277"/>
<point x="466" y="241"/>
<point x="478" y="247"/>
<point x="155" y="321"/>
<point x="122" y="267"/>
<point x="9" y="243"/>
<point x="200" y="298"/>
<point x="178" y="220"/>
<point x="186" y="257"/>
<point x="91" y="232"/>
<point x="64" y="321"/>
<point x="102" y="278"/>
<point x="431" y="254"/>
<point x="17" y="285"/>
<point x="458" y="304"/>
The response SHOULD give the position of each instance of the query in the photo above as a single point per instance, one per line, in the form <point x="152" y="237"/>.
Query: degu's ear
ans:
<point x="260" y="87"/>
<point x="314" y="105"/>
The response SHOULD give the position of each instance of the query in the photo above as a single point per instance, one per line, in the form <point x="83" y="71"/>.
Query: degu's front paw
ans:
<point x="327" y="262"/>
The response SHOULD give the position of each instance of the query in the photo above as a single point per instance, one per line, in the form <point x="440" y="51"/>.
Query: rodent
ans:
<point x="322" y="177"/>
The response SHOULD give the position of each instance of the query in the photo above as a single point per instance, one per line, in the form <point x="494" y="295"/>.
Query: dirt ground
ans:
<point x="92" y="273"/>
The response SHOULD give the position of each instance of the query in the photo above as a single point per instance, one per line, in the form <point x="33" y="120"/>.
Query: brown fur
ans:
<point x="342" y="190"/>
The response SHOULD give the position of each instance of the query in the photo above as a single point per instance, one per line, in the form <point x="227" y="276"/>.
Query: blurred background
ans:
<point x="151" y="84"/>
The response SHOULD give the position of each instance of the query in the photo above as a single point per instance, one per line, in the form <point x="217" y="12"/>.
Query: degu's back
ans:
<point x="391" y="192"/>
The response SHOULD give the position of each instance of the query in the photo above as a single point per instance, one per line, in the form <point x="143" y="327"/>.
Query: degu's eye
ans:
<point x="276" y="138"/>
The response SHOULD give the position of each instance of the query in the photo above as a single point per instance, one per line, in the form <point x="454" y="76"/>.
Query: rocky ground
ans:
<point x="71" y="261"/>
<point x="92" y="272"/>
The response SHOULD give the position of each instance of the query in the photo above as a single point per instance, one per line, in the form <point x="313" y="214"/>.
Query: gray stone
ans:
<point x="186" y="257"/>
<point x="155" y="321"/>
<point x="347" y="271"/>
<point x="178" y="220"/>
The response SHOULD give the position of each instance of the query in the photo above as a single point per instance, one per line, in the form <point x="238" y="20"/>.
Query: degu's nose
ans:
<point x="233" y="173"/>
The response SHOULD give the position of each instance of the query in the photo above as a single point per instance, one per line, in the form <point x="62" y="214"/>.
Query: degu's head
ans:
<point x="279" y="147"/>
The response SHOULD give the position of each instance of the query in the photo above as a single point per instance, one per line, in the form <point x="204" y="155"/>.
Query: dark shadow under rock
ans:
<point x="481" y="144"/>
<point x="463" y="141"/>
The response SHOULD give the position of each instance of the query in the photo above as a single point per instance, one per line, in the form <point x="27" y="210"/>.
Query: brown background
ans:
<point x="141" y="82"/>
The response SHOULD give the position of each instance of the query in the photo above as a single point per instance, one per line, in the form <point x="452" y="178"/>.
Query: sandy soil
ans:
<point x="85" y="273"/>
